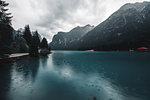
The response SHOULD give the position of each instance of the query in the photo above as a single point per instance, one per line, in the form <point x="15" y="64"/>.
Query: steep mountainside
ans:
<point x="68" y="40"/>
<point x="127" y="28"/>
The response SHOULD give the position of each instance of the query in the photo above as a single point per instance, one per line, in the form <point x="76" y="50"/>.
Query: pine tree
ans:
<point x="35" y="44"/>
<point x="27" y="35"/>
<point x="44" y="43"/>
<point x="6" y="31"/>
<point x="33" y="51"/>
<point x="37" y="37"/>
<point x="5" y="18"/>
<point x="44" y="50"/>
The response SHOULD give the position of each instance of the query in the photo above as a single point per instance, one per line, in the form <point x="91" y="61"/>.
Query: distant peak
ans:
<point x="61" y="32"/>
<point x="88" y="25"/>
<point x="20" y="30"/>
<point x="138" y="6"/>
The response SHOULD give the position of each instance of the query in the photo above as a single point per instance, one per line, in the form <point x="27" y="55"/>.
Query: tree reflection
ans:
<point x="43" y="61"/>
<point x="5" y="80"/>
<point x="28" y="67"/>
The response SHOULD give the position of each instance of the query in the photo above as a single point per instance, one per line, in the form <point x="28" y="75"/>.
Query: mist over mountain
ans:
<point x="68" y="40"/>
<point x="127" y="28"/>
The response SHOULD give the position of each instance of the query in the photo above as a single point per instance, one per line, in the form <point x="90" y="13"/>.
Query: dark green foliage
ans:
<point x="49" y="48"/>
<point x="27" y="35"/>
<point x="37" y="37"/>
<point x="34" y="44"/>
<point x="5" y="18"/>
<point x="19" y="45"/>
<point x="6" y="31"/>
<point x="44" y="49"/>
<point x="11" y="42"/>
<point x="33" y="47"/>
<point x="44" y="43"/>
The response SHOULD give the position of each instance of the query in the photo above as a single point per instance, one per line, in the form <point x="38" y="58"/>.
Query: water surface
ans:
<point x="78" y="75"/>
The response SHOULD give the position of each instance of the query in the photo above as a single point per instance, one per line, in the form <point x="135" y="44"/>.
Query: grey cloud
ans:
<point x="51" y="16"/>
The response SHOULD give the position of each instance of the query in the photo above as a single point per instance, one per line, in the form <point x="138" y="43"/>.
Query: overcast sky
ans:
<point x="51" y="16"/>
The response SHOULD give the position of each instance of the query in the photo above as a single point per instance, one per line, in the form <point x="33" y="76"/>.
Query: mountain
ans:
<point x="68" y="40"/>
<point x="127" y="28"/>
<point x="20" y="31"/>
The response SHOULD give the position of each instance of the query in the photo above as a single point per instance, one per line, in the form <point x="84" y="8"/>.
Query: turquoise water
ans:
<point x="78" y="75"/>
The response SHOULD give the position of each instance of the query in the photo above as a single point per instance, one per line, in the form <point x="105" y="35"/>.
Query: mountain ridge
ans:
<point x="68" y="40"/>
<point x="125" y="29"/>
<point x="121" y="27"/>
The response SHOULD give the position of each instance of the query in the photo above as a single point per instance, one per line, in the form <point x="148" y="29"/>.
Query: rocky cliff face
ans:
<point x="127" y="28"/>
<point x="68" y="40"/>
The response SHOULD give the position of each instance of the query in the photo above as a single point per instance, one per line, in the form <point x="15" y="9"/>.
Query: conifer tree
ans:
<point x="27" y="35"/>
<point x="35" y="44"/>
<point x="6" y="31"/>
<point x="5" y="18"/>
<point x="44" y="43"/>
<point x="37" y="37"/>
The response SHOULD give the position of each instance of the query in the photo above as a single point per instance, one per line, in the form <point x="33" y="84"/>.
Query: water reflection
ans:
<point x="113" y="70"/>
<point x="5" y="80"/>
<point x="88" y="83"/>
<point x="72" y="75"/>
<point x="27" y="68"/>
<point x="43" y="61"/>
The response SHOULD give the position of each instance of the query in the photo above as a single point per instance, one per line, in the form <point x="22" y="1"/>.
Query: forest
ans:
<point x="12" y="41"/>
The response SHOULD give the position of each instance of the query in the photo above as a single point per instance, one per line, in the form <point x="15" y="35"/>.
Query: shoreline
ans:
<point x="13" y="57"/>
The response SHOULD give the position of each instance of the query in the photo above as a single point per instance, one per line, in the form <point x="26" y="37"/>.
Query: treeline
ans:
<point x="12" y="41"/>
<point x="36" y="46"/>
<point x="6" y="31"/>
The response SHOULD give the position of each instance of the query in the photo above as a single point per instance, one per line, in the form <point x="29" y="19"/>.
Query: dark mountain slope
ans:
<point x="127" y="28"/>
<point x="68" y="40"/>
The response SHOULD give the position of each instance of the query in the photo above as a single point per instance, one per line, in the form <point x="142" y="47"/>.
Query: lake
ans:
<point x="78" y="75"/>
